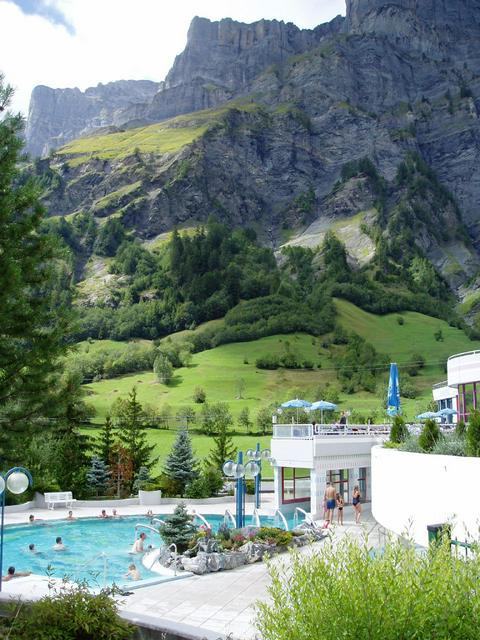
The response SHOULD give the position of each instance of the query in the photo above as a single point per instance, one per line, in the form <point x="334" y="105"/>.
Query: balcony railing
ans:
<point x="308" y="431"/>
<point x="440" y="385"/>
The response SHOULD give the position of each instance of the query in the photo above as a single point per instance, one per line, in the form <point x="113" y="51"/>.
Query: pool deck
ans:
<point x="222" y="603"/>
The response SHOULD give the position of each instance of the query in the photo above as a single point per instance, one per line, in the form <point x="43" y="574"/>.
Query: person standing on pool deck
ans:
<point x="356" y="497"/>
<point x="330" y="503"/>
<point x="340" y="505"/>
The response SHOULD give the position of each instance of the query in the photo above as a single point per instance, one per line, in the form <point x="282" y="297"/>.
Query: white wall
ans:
<point x="463" y="368"/>
<point x="413" y="490"/>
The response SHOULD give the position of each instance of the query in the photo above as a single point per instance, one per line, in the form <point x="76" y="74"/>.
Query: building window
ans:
<point x="362" y="482"/>
<point x="339" y="479"/>
<point x="295" y="484"/>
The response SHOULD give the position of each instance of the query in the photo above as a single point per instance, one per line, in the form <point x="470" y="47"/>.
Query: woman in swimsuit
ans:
<point x="356" y="496"/>
<point x="340" y="504"/>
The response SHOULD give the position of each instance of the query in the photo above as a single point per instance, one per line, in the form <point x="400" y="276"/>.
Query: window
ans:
<point x="362" y="482"/>
<point x="295" y="484"/>
<point x="339" y="479"/>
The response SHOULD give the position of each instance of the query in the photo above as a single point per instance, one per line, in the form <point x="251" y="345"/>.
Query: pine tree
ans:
<point x="473" y="434"/>
<point x="178" y="528"/>
<point x="105" y="440"/>
<point x="181" y="465"/>
<point x="399" y="431"/>
<point x="223" y="449"/>
<point x="132" y="433"/>
<point x="98" y="476"/>
<point x="34" y="292"/>
<point x="121" y="466"/>
<point x="142" y="478"/>
<point x="429" y="436"/>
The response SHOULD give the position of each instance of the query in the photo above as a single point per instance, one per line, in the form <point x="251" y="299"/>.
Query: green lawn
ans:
<point x="218" y="371"/>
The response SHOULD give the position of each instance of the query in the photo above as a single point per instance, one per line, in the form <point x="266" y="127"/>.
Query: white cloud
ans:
<point x="121" y="39"/>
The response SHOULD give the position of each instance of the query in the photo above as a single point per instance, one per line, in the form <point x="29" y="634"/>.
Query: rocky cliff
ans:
<point x="286" y="109"/>
<point x="57" y="116"/>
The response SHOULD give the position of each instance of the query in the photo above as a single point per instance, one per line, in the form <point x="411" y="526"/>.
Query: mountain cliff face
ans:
<point x="275" y="113"/>
<point x="57" y="116"/>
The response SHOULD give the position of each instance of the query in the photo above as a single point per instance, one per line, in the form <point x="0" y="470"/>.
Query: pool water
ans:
<point x="86" y="539"/>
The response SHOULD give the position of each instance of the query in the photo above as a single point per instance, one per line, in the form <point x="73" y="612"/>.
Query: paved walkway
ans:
<point x="222" y="602"/>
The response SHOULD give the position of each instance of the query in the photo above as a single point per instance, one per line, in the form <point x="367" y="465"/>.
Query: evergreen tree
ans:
<point x="178" y="528"/>
<point x="162" y="367"/>
<point x="223" y="449"/>
<point x="98" y="476"/>
<point x="34" y="318"/>
<point x="399" y="431"/>
<point x="244" y="421"/>
<point x="105" y="440"/>
<point x="429" y="436"/>
<point x="132" y="433"/>
<point x="121" y="466"/>
<point x="142" y="478"/>
<point x="473" y="434"/>
<point x="181" y="465"/>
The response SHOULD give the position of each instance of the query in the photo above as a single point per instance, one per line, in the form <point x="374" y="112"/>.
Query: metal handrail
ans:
<point x="465" y="353"/>
<point x="306" y="516"/>
<point x="146" y="526"/>
<point x="282" y="518"/>
<point x="195" y="514"/>
<point x="306" y="432"/>
<point x="158" y="521"/>
<point x="256" y="517"/>
<point x="103" y="555"/>
<point x="229" y="516"/>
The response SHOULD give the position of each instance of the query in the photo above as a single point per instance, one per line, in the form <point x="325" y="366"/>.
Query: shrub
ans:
<point x="197" y="489"/>
<point x="268" y="361"/>
<point x="450" y="445"/>
<point x="399" y="431"/>
<point x="429" y="436"/>
<point x="473" y="434"/>
<point x="400" y="320"/>
<point x="70" y="615"/>
<point x="199" y="395"/>
<point x="408" y="390"/>
<point x="411" y="444"/>
<point x="346" y="591"/>
<point x="460" y="429"/>
<point x="178" y="528"/>
<point x="274" y="535"/>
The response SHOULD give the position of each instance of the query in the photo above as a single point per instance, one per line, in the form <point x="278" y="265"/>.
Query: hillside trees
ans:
<point x="34" y="295"/>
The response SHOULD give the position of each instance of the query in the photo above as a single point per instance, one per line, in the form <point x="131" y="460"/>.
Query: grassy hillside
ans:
<point x="218" y="371"/>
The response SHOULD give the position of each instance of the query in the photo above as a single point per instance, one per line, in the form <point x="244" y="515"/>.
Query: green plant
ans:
<point x="73" y="614"/>
<point x="429" y="436"/>
<point x="399" y="431"/>
<point x="347" y="591"/>
<point x="181" y="465"/>
<point x="411" y="444"/>
<point x="450" y="445"/>
<point x="273" y="535"/>
<point x="473" y="433"/>
<point x="178" y="528"/>
<point x="460" y="429"/>
<point x="199" y="395"/>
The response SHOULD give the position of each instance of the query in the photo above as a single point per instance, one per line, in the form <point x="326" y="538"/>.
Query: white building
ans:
<point x="461" y="389"/>
<point x="305" y="458"/>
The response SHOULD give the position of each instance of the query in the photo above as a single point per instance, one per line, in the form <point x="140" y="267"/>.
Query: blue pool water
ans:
<point x="85" y="539"/>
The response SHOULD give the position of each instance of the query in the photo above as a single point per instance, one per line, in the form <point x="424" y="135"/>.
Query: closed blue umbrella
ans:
<point x="296" y="404"/>
<point x="323" y="405"/>
<point x="393" y="398"/>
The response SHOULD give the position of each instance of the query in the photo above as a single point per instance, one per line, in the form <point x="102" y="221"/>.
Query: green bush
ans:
<point x="199" y="395"/>
<point x="430" y="435"/>
<point x="450" y="445"/>
<point x="473" y="434"/>
<point x="460" y="429"/>
<point x="411" y="444"/>
<point x="268" y="361"/>
<point x="345" y="590"/>
<point x="399" y="431"/>
<point x="274" y="535"/>
<point x="71" y="615"/>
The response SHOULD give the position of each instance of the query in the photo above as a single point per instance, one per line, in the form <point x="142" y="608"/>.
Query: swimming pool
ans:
<point x="97" y="549"/>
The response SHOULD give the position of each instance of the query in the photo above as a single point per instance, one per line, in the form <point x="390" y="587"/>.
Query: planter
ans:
<point x="150" y="497"/>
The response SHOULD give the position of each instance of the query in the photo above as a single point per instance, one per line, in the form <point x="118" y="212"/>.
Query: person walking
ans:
<point x="356" y="497"/>
<point x="340" y="505"/>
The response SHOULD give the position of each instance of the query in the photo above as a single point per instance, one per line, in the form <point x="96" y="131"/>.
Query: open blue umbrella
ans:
<point x="393" y="398"/>
<point x="446" y="412"/>
<point x="323" y="405"/>
<point x="427" y="415"/>
<point x="296" y="404"/>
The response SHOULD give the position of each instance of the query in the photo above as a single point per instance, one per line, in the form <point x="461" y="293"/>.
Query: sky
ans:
<point x="79" y="43"/>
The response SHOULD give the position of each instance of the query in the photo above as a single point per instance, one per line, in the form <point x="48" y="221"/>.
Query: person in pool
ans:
<point x="132" y="573"/>
<point x="70" y="516"/>
<point x="138" y="544"/>
<point x="103" y="514"/>
<point x="11" y="573"/>
<point x="59" y="546"/>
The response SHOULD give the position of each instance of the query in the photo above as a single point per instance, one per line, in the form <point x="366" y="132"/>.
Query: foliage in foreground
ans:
<point x="352" y="593"/>
<point x="71" y="615"/>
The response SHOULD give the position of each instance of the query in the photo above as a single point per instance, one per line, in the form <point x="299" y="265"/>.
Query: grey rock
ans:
<point x="213" y="562"/>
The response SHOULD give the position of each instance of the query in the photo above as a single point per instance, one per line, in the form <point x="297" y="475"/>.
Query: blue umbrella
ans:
<point x="323" y="405"/>
<point x="427" y="415"/>
<point x="446" y="412"/>
<point x="296" y="404"/>
<point x="393" y="399"/>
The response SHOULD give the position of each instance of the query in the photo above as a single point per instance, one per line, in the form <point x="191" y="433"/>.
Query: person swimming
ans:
<point x="132" y="573"/>
<point x="59" y="546"/>
<point x="11" y="573"/>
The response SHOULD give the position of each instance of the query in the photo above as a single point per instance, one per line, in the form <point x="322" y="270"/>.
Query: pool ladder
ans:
<point x="281" y="518"/>
<point x="105" y="565"/>
<point x="256" y="518"/>
<point x="229" y="518"/>
<point x="205" y="522"/>
<point x="306" y="517"/>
